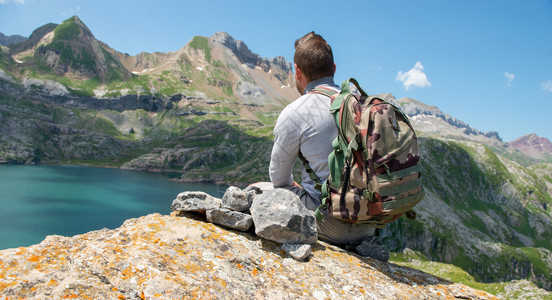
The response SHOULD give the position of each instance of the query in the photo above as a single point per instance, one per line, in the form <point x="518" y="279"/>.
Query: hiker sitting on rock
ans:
<point x="306" y="127"/>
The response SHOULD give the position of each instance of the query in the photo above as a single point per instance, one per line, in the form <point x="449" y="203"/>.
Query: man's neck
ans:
<point x="317" y="82"/>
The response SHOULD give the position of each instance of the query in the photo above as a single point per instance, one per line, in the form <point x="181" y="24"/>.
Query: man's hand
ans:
<point x="297" y="184"/>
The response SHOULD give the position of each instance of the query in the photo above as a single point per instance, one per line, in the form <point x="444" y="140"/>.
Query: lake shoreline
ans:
<point x="150" y="171"/>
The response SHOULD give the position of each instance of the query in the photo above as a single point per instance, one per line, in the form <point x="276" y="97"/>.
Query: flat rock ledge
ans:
<point x="180" y="257"/>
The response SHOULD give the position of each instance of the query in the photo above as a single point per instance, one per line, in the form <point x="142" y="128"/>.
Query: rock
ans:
<point x="372" y="247"/>
<point x="164" y="257"/>
<point x="236" y="199"/>
<point x="233" y="219"/>
<point x="195" y="201"/>
<point x="260" y="187"/>
<point x="298" y="251"/>
<point x="280" y="216"/>
<point x="50" y="87"/>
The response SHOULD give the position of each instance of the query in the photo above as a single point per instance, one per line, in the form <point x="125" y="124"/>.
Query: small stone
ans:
<point x="259" y="187"/>
<point x="237" y="200"/>
<point x="280" y="216"/>
<point x="372" y="247"/>
<point x="232" y="219"/>
<point x="195" y="201"/>
<point x="298" y="251"/>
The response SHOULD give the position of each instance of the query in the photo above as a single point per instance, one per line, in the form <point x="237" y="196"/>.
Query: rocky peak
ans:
<point x="532" y="145"/>
<point x="170" y="257"/>
<point x="244" y="54"/>
<point x="70" y="49"/>
<point x="239" y="48"/>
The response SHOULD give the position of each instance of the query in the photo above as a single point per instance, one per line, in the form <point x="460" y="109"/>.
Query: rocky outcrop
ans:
<point x="169" y="257"/>
<point x="242" y="52"/>
<point x="203" y="148"/>
<point x="53" y="92"/>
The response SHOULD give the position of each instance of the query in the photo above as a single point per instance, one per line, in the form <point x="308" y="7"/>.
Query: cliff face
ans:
<point x="180" y="257"/>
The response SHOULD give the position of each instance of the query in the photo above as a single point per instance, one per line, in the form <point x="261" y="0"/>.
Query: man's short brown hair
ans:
<point x="314" y="56"/>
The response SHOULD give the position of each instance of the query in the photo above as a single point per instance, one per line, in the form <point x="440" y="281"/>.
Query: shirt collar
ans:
<point x="328" y="80"/>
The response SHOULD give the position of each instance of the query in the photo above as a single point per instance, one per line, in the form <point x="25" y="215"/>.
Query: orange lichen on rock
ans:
<point x="170" y="257"/>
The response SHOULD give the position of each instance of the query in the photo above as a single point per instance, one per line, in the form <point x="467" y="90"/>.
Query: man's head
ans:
<point x="313" y="59"/>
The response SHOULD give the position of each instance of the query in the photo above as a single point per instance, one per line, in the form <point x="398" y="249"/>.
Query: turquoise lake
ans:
<point x="41" y="200"/>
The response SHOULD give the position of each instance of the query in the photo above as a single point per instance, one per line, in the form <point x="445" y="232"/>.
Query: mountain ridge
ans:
<point x="7" y="40"/>
<point x="159" y="63"/>
<point x="94" y="69"/>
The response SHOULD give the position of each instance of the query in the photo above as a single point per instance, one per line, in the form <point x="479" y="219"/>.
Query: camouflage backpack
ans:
<point x="374" y="168"/>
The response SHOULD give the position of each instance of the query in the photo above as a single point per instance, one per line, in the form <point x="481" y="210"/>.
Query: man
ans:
<point x="307" y="126"/>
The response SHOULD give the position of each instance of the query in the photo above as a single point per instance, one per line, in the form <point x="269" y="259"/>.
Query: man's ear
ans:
<point x="334" y="68"/>
<point x="298" y="72"/>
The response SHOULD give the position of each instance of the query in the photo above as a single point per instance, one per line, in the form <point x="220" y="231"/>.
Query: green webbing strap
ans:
<point x="353" y="145"/>
<point x="323" y="202"/>
<point x="399" y="189"/>
<point x="403" y="201"/>
<point x="310" y="171"/>
<point x="398" y="174"/>
<point x="345" y="87"/>
<point x="336" y="161"/>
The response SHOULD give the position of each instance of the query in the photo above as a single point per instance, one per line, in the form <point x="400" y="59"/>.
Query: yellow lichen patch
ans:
<point x="127" y="272"/>
<point x="34" y="258"/>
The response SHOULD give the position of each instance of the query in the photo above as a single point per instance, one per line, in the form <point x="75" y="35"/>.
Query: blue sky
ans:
<point x="487" y="63"/>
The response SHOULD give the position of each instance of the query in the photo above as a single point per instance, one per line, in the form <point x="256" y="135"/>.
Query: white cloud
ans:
<point x="414" y="77"/>
<point x="547" y="85"/>
<point x="509" y="78"/>
<point x="15" y="1"/>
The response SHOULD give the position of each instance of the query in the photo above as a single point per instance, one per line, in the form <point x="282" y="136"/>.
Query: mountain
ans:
<point x="70" y="50"/>
<point x="533" y="146"/>
<point x="11" y="39"/>
<point x="206" y="112"/>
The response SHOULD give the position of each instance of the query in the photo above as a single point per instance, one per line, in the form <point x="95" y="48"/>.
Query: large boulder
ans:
<point x="280" y="216"/>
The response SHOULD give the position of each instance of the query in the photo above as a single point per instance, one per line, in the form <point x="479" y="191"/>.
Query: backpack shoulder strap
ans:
<point x="328" y="92"/>
<point x="310" y="171"/>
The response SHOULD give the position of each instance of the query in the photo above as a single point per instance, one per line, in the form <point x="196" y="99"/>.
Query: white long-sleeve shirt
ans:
<point x="307" y="125"/>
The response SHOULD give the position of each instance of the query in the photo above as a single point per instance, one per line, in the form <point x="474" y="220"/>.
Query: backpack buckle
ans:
<point x="370" y="196"/>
